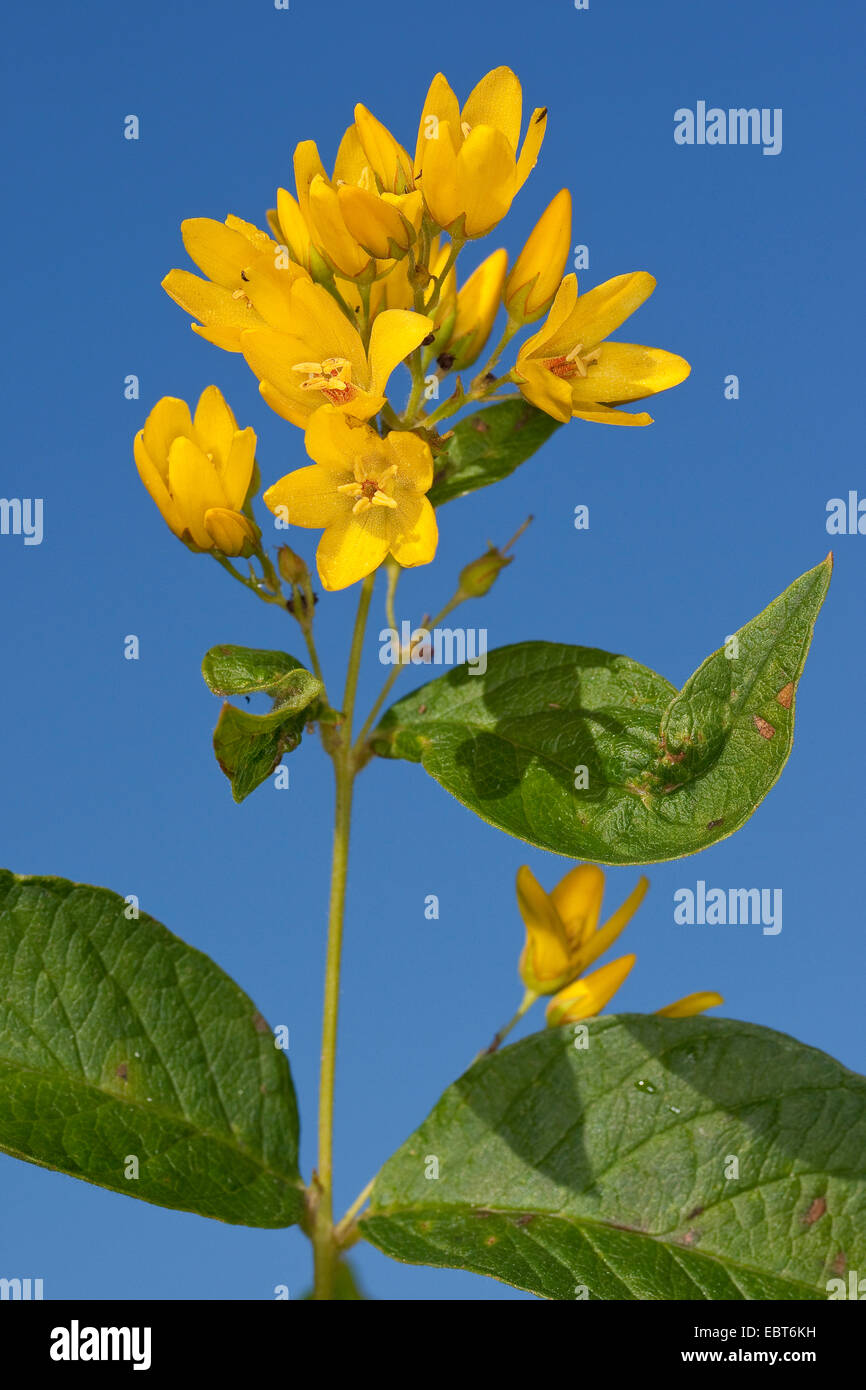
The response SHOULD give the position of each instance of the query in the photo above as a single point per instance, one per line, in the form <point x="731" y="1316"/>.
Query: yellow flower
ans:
<point x="368" y="494"/>
<point x="477" y="306"/>
<point x="386" y="157"/>
<point x="317" y="357"/>
<point x="569" y="369"/>
<point x="249" y="278"/>
<point x="199" y="471"/>
<point x="587" y="997"/>
<point x="537" y="272"/>
<point x="563" y="937"/>
<point x="466" y="161"/>
<point x="692" y="1004"/>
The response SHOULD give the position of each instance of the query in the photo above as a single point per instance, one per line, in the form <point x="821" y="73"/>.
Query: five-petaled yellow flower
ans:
<point x="563" y="937"/>
<point x="317" y="357"/>
<point x="467" y="163"/>
<point x="199" y="471"/>
<point x="569" y="369"/>
<point x="368" y="493"/>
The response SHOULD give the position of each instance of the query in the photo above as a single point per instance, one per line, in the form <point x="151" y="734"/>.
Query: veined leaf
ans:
<point x="638" y="1157"/>
<point x="131" y="1060"/>
<point x="487" y="446"/>
<point x="596" y="757"/>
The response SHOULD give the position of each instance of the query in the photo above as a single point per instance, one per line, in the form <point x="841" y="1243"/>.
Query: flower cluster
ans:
<point x="357" y="274"/>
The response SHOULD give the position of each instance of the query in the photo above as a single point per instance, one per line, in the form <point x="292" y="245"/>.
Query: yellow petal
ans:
<point x="353" y="546"/>
<point x="539" y="345"/>
<point x="308" y="166"/>
<point x="224" y="317"/>
<point x="606" y="415"/>
<point x="438" y="179"/>
<point x="486" y="179"/>
<point x="627" y="372"/>
<point x="351" y="162"/>
<point x="169" y="418"/>
<point x="692" y="1004"/>
<point x="545" y="964"/>
<point x="588" y="996"/>
<point x="229" y="531"/>
<point x="335" y="443"/>
<point x="545" y="390"/>
<point x="324" y="327"/>
<point x="600" y="941"/>
<point x="156" y="486"/>
<point x="538" y="269"/>
<point x="195" y="487"/>
<point x="497" y="101"/>
<point x="269" y="285"/>
<point x="331" y="234"/>
<point x="220" y="252"/>
<point x="415" y="533"/>
<point x="600" y="311"/>
<point x="308" y="497"/>
<point x="395" y="333"/>
<point x="414" y="460"/>
<point x="441" y="107"/>
<point x="376" y="225"/>
<point x="531" y="146"/>
<point x="386" y="156"/>
<point x="477" y="307"/>
<point x="237" y="474"/>
<point x="577" y="898"/>
<point x="295" y="232"/>
<point x="215" y="425"/>
<point x="296" y="412"/>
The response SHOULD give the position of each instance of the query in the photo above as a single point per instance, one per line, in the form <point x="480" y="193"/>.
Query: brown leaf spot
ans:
<point x="480" y="425"/>
<point x="259" y="1024"/>
<point x="482" y="1211"/>
<point x="122" y="1071"/>
<point x="815" y="1212"/>
<point x="785" y="696"/>
<point x="422" y="709"/>
<point x="491" y="1240"/>
<point x="692" y="1214"/>
<point x="691" y="1236"/>
<point x="525" y="1219"/>
<point x="711" y="824"/>
<point x="764" y="729"/>
<point x="840" y="1263"/>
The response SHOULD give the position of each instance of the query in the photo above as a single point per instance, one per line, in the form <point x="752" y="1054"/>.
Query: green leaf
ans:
<point x="249" y="746"/>
<point x="487" y="446"/>
<point x="638" y="1157"/>
<point x="120" y="1042"/>
<point x="666" y="774"/>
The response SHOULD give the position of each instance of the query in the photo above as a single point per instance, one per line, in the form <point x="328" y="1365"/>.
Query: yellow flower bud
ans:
<point x="477" y="307"/>
<point x="231" y="532"/>
<point x="586" y="997"/>
<point x="692" y="1004"/>
<point x="199" y="471"/>
<point x="537" y="272"/>
<point x="563" y="937"/>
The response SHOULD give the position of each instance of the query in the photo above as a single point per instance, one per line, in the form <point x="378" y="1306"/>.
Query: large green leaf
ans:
<point x="638" y="1158"/>
<point x="249" y="746"/>
<point x="596" y="757"/>
<point x="487" y="446"/>
<point x="119" y="1042"/>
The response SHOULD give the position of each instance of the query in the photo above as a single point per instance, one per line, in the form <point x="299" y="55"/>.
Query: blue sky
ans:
<point x="695" y="524"/>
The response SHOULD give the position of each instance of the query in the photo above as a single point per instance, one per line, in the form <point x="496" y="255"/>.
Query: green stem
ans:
<point x="526" y="1003"/>
<point x="325" y="1247"/>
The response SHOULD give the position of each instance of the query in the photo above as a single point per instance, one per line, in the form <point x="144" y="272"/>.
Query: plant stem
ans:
<point x="325" y="1249"/>
<point x="528" y="1000"/>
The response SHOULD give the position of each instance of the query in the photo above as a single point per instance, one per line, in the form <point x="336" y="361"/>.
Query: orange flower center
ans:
<point x="572" y="363"/>
<point x="333" y="378"/>
<point x="372" y="487"/>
